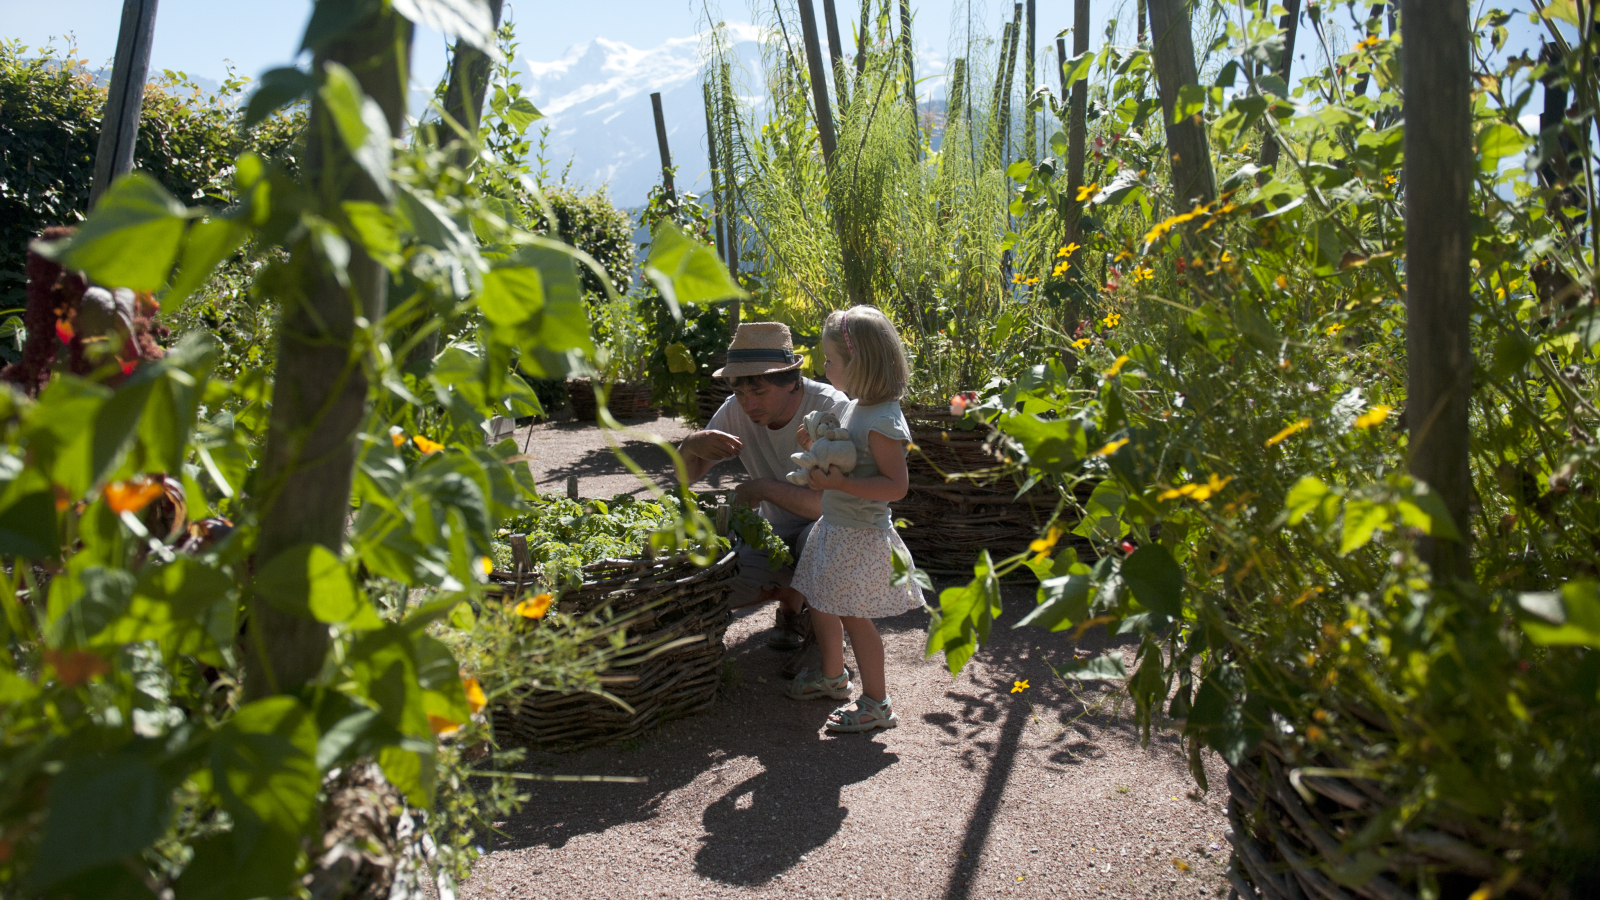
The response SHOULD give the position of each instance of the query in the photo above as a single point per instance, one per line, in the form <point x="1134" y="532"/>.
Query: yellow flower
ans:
<point x="427" y="446"/>
<point x="1081" y="343"/>
<point x="1122" y="255"/>
<point x="441" y="726"/>
<point x="1282" y="281"/>
<point x="1226" y="257"/>
<point x="398" y="438"/>
<point x="1046" y="543"/>
<point x="534" y="607"/>
<point x="1390" y="180"/>
<point x="1290" y="431"/>
<point x="1018" y="278"/>
<point x="1371" y="41"/>
<point x="1111" y="448"/>
<point x="475" y="698"/>
<point x="1111" y="320"/>
<point x="1162" y="228"/>
<point x="1374" y="416"/>
<point x="485" y="565"/>
<point x="1333" y="329"/>
<point x="1067" y="251"/>
<point x="1018" y="687"/>
<point x="1200" y="490"/>
<point x="1116" y="367"/>
<point x="1143" y="273"/>
<point x="1062" y="269"/>
<point x="1087" y="191"/>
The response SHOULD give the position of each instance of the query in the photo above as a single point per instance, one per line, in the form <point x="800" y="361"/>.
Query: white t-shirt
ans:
<point x="766" y="450"/>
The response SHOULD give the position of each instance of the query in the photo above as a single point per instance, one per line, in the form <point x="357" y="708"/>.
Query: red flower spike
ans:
<point x="64" y="331"/>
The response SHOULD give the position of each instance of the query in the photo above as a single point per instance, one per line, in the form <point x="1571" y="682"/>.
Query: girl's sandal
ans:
<point x="809" y="685"/>
<point x="867" y="715"/>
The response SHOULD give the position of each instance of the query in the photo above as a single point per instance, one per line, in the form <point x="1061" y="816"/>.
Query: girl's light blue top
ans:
<point x="848" y="510"/>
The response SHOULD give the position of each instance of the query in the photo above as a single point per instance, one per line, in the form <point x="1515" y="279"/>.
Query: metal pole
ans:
<point x="119" y="127"/>
<point x="661" y="144"/>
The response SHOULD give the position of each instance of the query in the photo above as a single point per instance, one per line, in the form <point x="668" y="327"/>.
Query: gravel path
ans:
<point x="980" y="792"/>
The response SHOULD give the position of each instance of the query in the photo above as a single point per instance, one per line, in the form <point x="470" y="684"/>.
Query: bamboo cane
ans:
<point x="1030" y="134"/>
<point x="841" y="86"/>
<point x="119" y="126"/>
<point x="661" y="145"/>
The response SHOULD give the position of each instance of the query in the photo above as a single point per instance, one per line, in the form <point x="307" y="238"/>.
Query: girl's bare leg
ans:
<point x="868" y="647"/>
<point x="830" y="640"/>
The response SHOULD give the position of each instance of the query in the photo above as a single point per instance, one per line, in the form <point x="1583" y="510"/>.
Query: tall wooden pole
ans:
<point x="1193" y="180"/>
<point x="661" y="145"/>
<point x="958" y="85"/>
<point x="819" y="82"/>
<point x="1078" y="117"/>
<point x="1436" y="72"/>
<point x="319" y="399"/>
<point x="718" y="198"/>
<point x="1289" y="24"/>
<point x="841" y="87"/>
<point x="119" y="126"/>
<point x="1143" y="16"/>
<point x="1061" y="67"/>
<point x="730" y="184"/>
<point x="469" y="82"/>
<point x="1011" y="74"/>
<point x="1030" y="134"/>
<point x="911" y="75"/>
<point x="862" y="39"/>
<point x="995" y="140"/>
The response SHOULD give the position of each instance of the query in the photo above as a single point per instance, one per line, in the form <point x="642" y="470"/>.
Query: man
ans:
<point x="758" y="424"/>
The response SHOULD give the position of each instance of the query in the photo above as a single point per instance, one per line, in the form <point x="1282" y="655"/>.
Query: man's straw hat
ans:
<point x="759" y="348"/>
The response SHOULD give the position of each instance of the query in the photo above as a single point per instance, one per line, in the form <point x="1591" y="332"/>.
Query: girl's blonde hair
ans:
<point x="875" y="367"/>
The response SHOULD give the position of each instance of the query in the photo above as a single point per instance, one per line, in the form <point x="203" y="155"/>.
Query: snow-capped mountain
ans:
<point x="597" y="101"/>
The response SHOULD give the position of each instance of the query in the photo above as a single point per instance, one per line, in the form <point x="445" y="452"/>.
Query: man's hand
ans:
<point x="831" y="480"/>
<point x="712" y="445"/>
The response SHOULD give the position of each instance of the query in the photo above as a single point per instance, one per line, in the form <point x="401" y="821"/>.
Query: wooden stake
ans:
<point x="1143" y="15"/>
<point x="911" y="76"/>
<point x="718" y="198"/>
<point x="861" y="37"/>
<point x="1077" y="118"/>
<point x="730" y="181"/>
<point x="661" y="144"/>
<point x="819" y="82"/>
<point x="994" y="140"/>
<point x="469" y="82"/>
<point x="119" y="126"/>
<point x="1288" y="24"/>
<point x="572" y="487"/>
<point x="1061" y="67"/>
<point x="958" y="84"/>
<point x="1011" y="74"/>
<point x="1030" y="134"/>
<point x="836" y="55"/>
<point x="1193" y="180"/>
<point x="1436" y="73"/>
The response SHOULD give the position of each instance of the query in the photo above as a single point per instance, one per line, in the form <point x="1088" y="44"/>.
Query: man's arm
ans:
<point x="794" y="498"/>
<point x="704" y="449"/>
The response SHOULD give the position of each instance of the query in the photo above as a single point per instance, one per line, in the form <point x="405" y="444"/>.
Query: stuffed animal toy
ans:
<point x="830" y="446"/>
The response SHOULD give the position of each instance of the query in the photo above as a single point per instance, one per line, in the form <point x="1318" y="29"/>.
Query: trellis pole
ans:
<point x="119" y="126"/>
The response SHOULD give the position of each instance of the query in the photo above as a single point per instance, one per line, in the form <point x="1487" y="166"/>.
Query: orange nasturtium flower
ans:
<point x="475" y="698"/>
<point x="534" y="607"/>
<point x="75" y="667"/>
<point x="1374" y="416"/>
<point x="1289" y="431"/>
<point x="132" y="495"/>
<point x="426" y="446"/>
<point x="398" y="438"/>
<point x="442" y="727"/>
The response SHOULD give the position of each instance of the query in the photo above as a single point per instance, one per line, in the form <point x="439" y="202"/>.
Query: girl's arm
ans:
<point x="888" y="486"/>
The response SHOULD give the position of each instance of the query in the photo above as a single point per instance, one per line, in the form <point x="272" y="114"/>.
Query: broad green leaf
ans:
<point x="1063" y="602"/>
<point x="244" y="863"/>
<point x="1052" y="445"/>
<point x="679" y="359"/>
<point x="521" y="113"/>
<point x="174" y="605"/>
<point x="1077" y="68"/>
<point x="375" y="227"/>
<point x="101" y="809"/>
<point x="1497" y="141"/>
<point x="263" y="763"/>
<point x="687" y="271"/>
<point x="1021" y="170"/>
<point x="309" y="580"/>
<point x="1570" y="616"/>
<point x="208" y="244"/>
<point x="964" y="616"/>
<point x="1107" y="667"/>
<point x="276" y="89"/>
<point x="469" y="20"/>
<point x="360" y="123"/>
<point x="28" y="517"/>
<point x="1362" y="519"/>
<point x="131" y="237"/>
<point x="511" y="296"/>
<point x="1304" y="497"/>
<point x="1425" y="511"/>
<point x="1155" y="579"/>
<point x="1191" y="101"/>
<point x="330" y="21"/>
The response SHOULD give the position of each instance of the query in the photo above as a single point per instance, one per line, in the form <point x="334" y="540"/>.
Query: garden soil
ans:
<point x="1004" y="781"/>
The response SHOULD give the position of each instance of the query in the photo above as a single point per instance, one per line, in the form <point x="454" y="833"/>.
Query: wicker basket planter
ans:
<point x="679" y="607"/>
<point x="952" y="520"/>
<point x="710" y="399"/>
<point x="1285" y="846"/>
<point x="626" y="400"/>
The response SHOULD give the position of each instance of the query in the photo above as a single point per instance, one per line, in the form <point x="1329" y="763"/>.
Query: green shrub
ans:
<point x="50" y="111"/>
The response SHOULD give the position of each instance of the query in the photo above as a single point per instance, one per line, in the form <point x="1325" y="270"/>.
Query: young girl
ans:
<point x="847" y="567"/>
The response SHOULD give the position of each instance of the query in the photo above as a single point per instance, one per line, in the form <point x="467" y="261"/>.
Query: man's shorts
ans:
<point x="756" y="571"/>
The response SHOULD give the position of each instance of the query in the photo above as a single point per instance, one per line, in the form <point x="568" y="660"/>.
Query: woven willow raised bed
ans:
<point x="1285" y="846"/>
<point x="952" y="520"/>
<point x="710" y="399"/>
<point x="626" y="400"/>
<point x="670" y="668"/>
